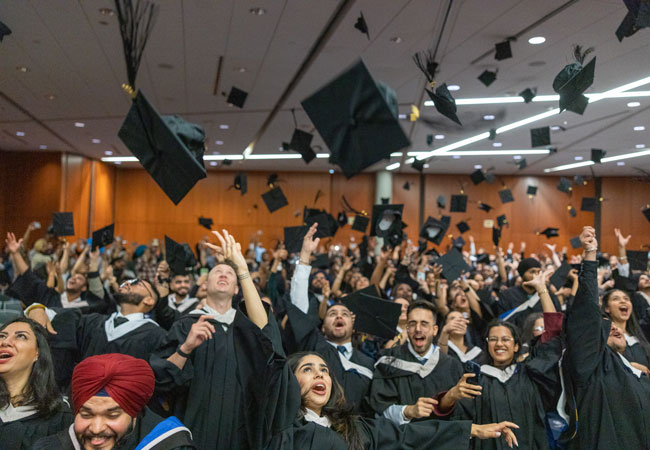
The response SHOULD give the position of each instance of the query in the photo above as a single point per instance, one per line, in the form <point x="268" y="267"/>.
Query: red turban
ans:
<point x="127" y="380"/>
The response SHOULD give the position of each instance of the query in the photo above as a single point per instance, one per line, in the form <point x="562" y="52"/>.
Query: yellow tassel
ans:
<point x="415" y="113"/>
<point x="129" y="90"/>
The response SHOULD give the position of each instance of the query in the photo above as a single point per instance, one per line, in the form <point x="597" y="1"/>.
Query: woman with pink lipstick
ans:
<point x="31" y="406"/>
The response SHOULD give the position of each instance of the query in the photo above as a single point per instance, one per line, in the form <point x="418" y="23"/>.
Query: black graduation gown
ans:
<point x="399" y="386"/>
<point x="613" y="404"/>
<point x="145" y="424"/>
<point x="514" y="297"/>
<point x="308" y="337"/>
<point x="476" y="354"/>
<point x="166" y="315"/>
<point x="641" y="308"/>
<point x="31" y="289"/>
<point x="21" y="434"/>
<point x="634" y="352"/>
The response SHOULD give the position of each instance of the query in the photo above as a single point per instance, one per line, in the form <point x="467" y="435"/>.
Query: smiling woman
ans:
<point x="31" y="406"/>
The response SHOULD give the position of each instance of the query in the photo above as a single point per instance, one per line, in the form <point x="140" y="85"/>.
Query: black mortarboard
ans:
<point x="506" y="196"/>
<point x="321" y="261"/>
<point x="484" y="207"/>
<point x="206" y="222"/>
<point x="638" y="259"/>
<point x="444" y="102"/>
<point x="168" y="147"/>
<point x="540" y="136"/>
<point x="646" y="212"/>
<point x="579" y="179"/>
<point x="327" y="225"/>
<point x="373" y="315"/>
<point x="360" y="223"/>
<point x="429" y="139"/>
<point x="178" y="256"/>
<point x="458" y="203"/>
<point x="342" y="219"/>
<point x="487" y="77"/>
<point x="418" y="164"/>
<point x="550" y="232"/>
<point x="407" y="186"/>
<point x="434" y="230"/>
<point x="575" y="242"/>
<point x="637" y="17"/>
<point x="462" y="227"/>
<point x="63" y="224"/>
<point x="589" y="204"/>
<point x="441" y="201"/>
<point x="528" y="94"/>
<point x="293" y="237"/>
<point x="626" y="284"/>
<point x="559" y="277"/>
<point x="103" y="237"/>
<point x="384" y="200"/>
<point x="4" y="31"/>
<point x="572" y="81"/>
<point x="385" y="219"/>
<point x="301" y="142"/>
<point x="357" y="118"/>
<point x="489" y="177"/>
<point x="272" y="179"/>
<point x="227" y="162"/>
<point x="241" y="182"/>
<point x="522" y="164"/>
<point x="597" y="154"/>
<point x="564" y="185"/>
<point x="496" y="235"/>
<point x="572" y="211"/>
<point x="458" y="243"/>
<point x="531" y="190"/>
<point x="361" y="25"/>
<point x="492" y="134"/>
<point x="274" y="199"/>
<point x="502" y="221"/>
<point x="477" y="177"/>
<point x="237" y="97"/>
<point x="453" y="265"/>
<point x="502" y="50"/>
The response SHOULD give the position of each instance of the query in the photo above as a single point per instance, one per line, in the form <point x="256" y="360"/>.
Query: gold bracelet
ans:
<point x="545" y="291"/>
<point x="34" y="306"/>
<point x="243" y="276"/>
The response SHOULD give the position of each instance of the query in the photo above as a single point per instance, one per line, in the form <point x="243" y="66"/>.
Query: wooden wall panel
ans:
<point x="623" y="199"/>
<point x="103" y="201"/>
<point x="75" y="192"/>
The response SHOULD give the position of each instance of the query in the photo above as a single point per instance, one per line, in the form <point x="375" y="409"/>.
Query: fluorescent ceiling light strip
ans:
<point x="455" y="145"/>
<point x="119" y="159"/>
<point x="528" y="120"/>
<point x="222" y="157"/>
<point x="276" y="156"/>
<point x="569" y="166"/>
<point x="625" y="156"/>
<point x="488" y="152"/>
<point x="393" y="166"/>
<point x="322" y="155"/>
<point x="541" y="98"/>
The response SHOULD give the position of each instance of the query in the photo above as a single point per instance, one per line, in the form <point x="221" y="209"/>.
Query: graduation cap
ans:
<point x="168" y="147"/>
<point x="579" y="179"/>
<point x="502" y="50"/>
<point x="293" y="237"/>
<point x="477" y="177"/>
<point x="103" y="237"/>
<point x="441" y="201"/>
<point x="540" y="136"/>
<point x="425" y="61"/>
<point x="506" y="196"/>
<point x="559" y="277"/>
<point x="575" y="242"/>
<point x="458" y="203"/>
<point x="360" y="223"/>
<point x="342" y="219"/>
<point x="444" y="102"/>
<point x="597" y="155"/>
<point x="489" y="177"/>
<point x="528" y="94"/>
<point x="206" y="222"/>
<point x="178" y="256"/>
<point x="462" y="226"/>
<point x="487" y="77"/>
<point x="572" y="211"/>
<point x="433" y="230"/>
<point x="531" y="191"/>
<point x="646" y="212"/>
<point x="407" y="186"/>
<point x="357" y="118"/>
<point x="327" y="225"/>
<point x="321" y="261"/>
<point x="638" y="259"/>
<point x="385" y="219"/>
<point x="502" y="221"/>
<point x="484" y="207"/>
<point x="4" y="31"/>
<point x="241" y="182"/>
<point x="550" y="232"/>
<point x="63" y="224"/>
<point x="458" y="243"/>
<point x="237" y="97"/>
<point x="274" y="199"/>
<point x="227" y="162"/>
<point x="418" y="164"/>
<point x="637" y="17"/>
<point x="361" y="25"/>
<point x="496" y="235"/>
<point x="492" y="134"/>
<point x="373" y="315"/>
<point x="521" y="164"/>
<point x="429" y="139"/>
<point x="453" y="264"/>
<point x="573" y="80"/>
<point x="589" y="204"/>
<point x="301" y="142"/>
<point x="564" y="185"/>
<point x="626" y="284"/>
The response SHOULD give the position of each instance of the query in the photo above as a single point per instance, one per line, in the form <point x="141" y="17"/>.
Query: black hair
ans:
<point x="527" y="327"/>
<point x="632" y="326"/>
<point x="423" y="304"/>
<point x="41" y="390"/>
<point x="336" y="409"/>
<point x="514" y="330"/>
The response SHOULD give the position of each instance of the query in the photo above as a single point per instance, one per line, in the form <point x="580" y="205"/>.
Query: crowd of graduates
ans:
<point x="314" y="345"/>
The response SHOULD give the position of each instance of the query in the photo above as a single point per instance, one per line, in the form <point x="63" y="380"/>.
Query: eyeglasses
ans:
<point x="425" y="326"/>
<point x="503" y="339"/>
<point x="135" y="281"/>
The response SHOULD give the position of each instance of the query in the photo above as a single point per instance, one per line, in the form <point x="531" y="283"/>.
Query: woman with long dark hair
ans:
<point x="31" y="406"/>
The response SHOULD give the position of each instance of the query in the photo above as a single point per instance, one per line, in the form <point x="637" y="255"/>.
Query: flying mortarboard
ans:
<point x="342" y="219"/>
<point x="444" y="102"/>
<point x="458" y="203"/>
<point x="502" y="50"/>
<point x="418" y="164"/>
<point x="540" y="137"/>
<point x="458" y="243"/>
<point x="521" y="164"/>
<point x="638" y="259"/>
<point x="373" y="315"/>
<point x="241" y="182"/>
<point x="506" y="196"/>
<point x="357" y="118"/>
<point x="407" y="186"/>
<point x="564" y="185"/>
<point x="572" y="211"/>
<point x="293" y="237"/>
<point x="484" y="207"/>
<point x="597" y="155"/>
<point x="274" y="199"/>
<point x="361" y="25"/>
<point x="531" y="191"/>
<point x="550" y="232"/>
<point x="301" y="142"/>
<point x="462" y="226"/>
<point x="487" y="77"/>
<point x="385" y="219"/>
<point x="321" y="261"/>
<point x="236" y="97"/>
<point x="502" y="221"/>
<point x="429" y="139"/>
<point x="103" y="237"/>
<point x="453" y="264"/>
<point x="589" y="204"/>
<point x="360" y="223"/>
<point x="559" y="277"/>
<point x="206" y="222"/>
<point x="433" y="230"/>
<point x="496" y="235"/>
<point x="646" y="212"/>
<point x="575" y="242"/>
<point x="272" y="179"/>
<point x="477" y="177"/>
<point x="179" y="256"/>
<point x="4" y="31"/>
<point x="441" y="201"/>
<point x="327" y="225"/>
<point x="492" y="134"/>
<point x="528" y="94"/>
<point x="637" y="17"/>
<point x="63" y="224"/>
<point x="573" y="80"/>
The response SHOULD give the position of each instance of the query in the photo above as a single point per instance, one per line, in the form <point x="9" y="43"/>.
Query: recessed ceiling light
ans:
<point x="96" y="141"/>
<point x="497" y="144"/>
<point x="106" y="12"/>
<point x="219" y="142"/>
<point x="22" y="69"/>
<point x="108" y="152"/>
<point x="456" y="156"/>
<point x="555" y="128"/>
<point x="396" y="40"/>
<point x="331" y="171"/>
<point x="257" y="11"/>
<point x="537" y="40"/>
<point x="216" y="153"/>
<point x="640" y="145"/>
<point x="620" y="163"/>
<point x="240" y="69"/>
<point x="478" y="166"/>
<point x="20" y="133"/>
<point x="79" y="124"/>
<point x="488" y="117"/>
<point x="43" y="147"/>
<point x="118" y="162"/>
<point x="579" y="158"/>
<point x="633" y="104"/>
<point x="439" y="136"/>
<point x="401" y="116"/>
<point x="639" y="128"/>
<point x="213" y="163"/>
<point x="516" y="157"/>
<point x="223" y="126"/>
<point x="426" y="166"/>
<point x="50" y="97"/>
<point x="453" y="87"/>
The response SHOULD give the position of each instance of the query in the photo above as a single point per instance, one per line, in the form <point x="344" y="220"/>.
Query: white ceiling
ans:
<point x="74" y="52"/>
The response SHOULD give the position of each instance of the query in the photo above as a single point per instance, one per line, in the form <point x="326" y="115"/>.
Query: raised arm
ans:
<point x="13" y="247"/>
<point x="539" y="283"/>
<point x="624" y="265"/>
<point x="347" y="265"/>
<point x="299" y="290"/>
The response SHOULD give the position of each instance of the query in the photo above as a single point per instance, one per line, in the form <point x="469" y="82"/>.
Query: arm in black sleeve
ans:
<point x="31" y="289"/>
